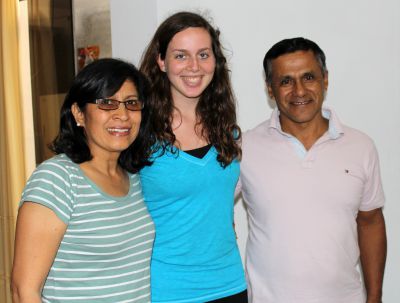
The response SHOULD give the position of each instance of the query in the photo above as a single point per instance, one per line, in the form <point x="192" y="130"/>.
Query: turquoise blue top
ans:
<point x="105" y="253"/>
<point x="195" y="255"/>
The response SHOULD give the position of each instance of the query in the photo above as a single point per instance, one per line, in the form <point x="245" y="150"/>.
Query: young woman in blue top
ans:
<point x="189" y="188"/>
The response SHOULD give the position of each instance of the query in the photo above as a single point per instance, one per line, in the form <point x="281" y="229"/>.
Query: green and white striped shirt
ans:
<point x="105" y="253"/>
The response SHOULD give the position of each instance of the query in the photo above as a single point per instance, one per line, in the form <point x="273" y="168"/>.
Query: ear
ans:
<point x="78" y="114"/>
<point x="270" y="91"/>
<point x="161" y="63"/>
<point x="326" y="82"/>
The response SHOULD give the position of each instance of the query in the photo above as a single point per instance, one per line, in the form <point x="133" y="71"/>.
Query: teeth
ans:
<point x="192" y="80"/>
<point x="118" y="130"/>
<point x="300" y="103"/>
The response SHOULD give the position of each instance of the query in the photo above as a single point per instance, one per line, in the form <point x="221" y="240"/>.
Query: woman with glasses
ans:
<point x="83" y="231"/>
<point x="189" y="188"/>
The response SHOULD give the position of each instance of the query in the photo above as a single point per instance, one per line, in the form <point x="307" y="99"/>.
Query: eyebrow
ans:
<point x="185" y="50"/>
<point x="205" y="48"/>
<point x="131" y="96"/>
<point x="309" y="72"/>
<point x="125" y="98"/>
<point x="283" y="77"/>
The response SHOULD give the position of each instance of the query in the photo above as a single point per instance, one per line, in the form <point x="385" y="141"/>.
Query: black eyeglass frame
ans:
<point x="116" y="104"/>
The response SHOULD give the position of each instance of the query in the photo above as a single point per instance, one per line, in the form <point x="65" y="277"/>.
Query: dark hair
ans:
<point x="216" y="108"/>
<point x="100" y="79"/>
<point x="292" y="45"/>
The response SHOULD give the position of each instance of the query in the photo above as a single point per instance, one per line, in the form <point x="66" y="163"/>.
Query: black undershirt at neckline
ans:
<point x="199" y="152"/>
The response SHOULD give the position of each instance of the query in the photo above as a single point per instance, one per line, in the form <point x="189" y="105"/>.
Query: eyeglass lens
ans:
<point x="110" y="104"/>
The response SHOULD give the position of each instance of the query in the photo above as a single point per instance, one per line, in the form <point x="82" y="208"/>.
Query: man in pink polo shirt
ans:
<point x="313" y="191"/>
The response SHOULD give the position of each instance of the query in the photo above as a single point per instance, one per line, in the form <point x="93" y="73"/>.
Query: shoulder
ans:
<point x="349" y="135"/>
<point x="58" y="162"/>
<point x="258" y="130"/>
<point x="51" y="185"/>
<point x="358" y="137"/>
<point x="134" y="180"/>
<point x="356" y="133"/>
<point x="57" y="167"/>
<point x="257" y="134"/>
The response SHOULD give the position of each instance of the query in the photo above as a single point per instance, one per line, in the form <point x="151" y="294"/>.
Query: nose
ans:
<point x="121" y="112"/>
<point x="299" y="88"/>
<point x="193" y="64"/>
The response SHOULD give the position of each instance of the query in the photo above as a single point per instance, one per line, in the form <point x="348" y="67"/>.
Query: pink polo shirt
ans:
<point x="302" y="208"/>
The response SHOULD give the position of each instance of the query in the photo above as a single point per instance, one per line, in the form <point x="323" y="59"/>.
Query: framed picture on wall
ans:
<point x="87" y="55"/>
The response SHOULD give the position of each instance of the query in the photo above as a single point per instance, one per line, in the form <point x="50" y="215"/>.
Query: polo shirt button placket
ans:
<point x="309" y="159"/>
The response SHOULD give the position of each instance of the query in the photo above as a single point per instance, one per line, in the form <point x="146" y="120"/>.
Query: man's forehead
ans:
<point x="300" y="55"/>
<point x="296" y="62"/>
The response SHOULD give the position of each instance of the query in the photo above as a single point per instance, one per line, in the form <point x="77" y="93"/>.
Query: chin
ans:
<point x="193" y="95"/>
<point x="120" y="147"/>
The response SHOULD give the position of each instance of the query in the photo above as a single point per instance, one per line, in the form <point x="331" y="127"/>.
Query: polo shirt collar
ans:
<point x="335" y="129"/>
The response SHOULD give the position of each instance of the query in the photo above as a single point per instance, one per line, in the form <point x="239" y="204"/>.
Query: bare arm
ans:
<point x="38" y="236"/>
<point x="372" y="242"/>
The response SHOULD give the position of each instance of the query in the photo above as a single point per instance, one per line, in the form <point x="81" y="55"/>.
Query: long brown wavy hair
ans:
<point x="216" y="109"/>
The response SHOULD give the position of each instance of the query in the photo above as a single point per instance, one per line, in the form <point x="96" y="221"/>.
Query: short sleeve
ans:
<point x="373" y="196"/>
<point x="50" y="186"/>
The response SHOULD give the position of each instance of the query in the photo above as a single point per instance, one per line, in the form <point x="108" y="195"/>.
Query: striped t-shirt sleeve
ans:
<point x="50" y="185"/>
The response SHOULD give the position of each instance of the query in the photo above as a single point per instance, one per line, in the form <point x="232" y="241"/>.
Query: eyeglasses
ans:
<point x="111" y="104"/>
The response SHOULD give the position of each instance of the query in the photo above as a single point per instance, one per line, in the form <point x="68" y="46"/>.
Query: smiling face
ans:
<point x="109" y="132"/>
<point x="189" y="63"/>
<point x="298" y="87"/>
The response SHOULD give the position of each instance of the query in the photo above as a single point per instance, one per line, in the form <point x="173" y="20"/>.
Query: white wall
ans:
<point x="362" y="42"/>
<point x="133" y="23"/>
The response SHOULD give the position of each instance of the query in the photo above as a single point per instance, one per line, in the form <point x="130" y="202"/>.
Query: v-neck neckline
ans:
<point x="199" y="161"/>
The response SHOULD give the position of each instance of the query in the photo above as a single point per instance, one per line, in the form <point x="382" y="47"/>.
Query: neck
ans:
<point x="184" y="111"/>
<point x="105" y="164"/>
<point x="186" y="106"/>
<point x="185" y="124"/>
<point x="107" y="174"/>
<point x="307" y="133"/>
